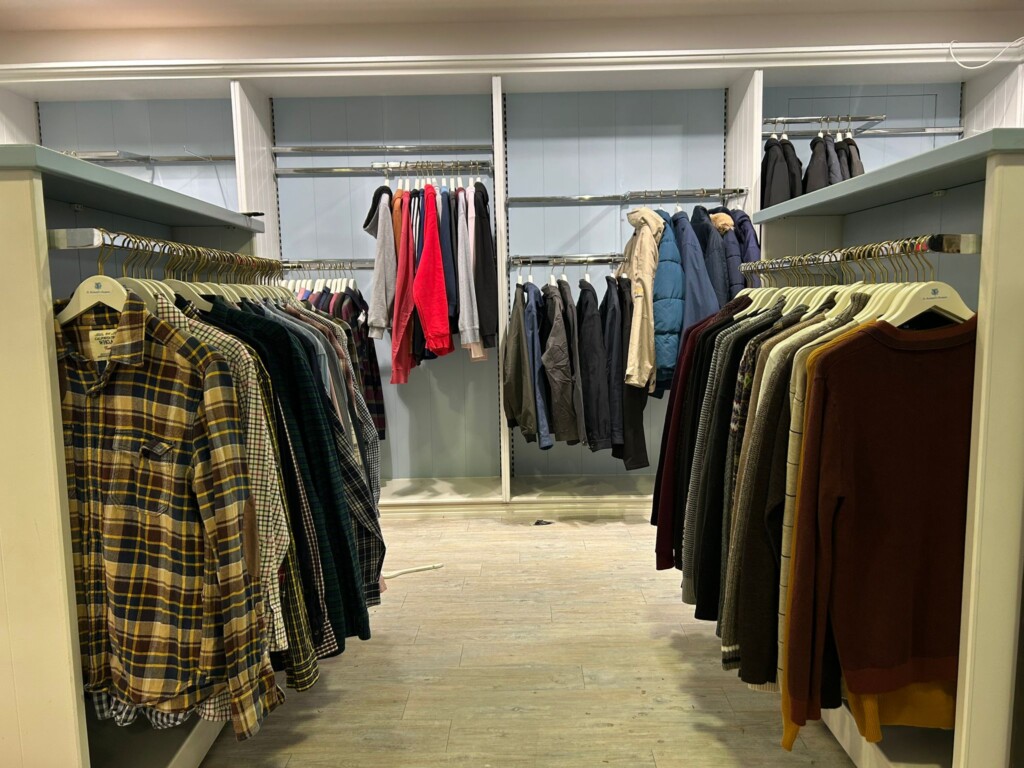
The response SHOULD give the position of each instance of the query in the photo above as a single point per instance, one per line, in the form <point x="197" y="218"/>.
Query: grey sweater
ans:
<point x="385" y="267"/>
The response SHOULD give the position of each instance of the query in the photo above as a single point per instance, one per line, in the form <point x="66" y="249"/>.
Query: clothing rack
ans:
<point x="568" y="260"/>
<point x="396" y="167"/>
<point x="911" y="246"/>
<point x="327" y="265"/>
<point x="187" y="259"/>
<point x="382" y="149"/>
<point x="647" y="195"/>
<point x="121" y="157"/>
<point x="867" y="126"/>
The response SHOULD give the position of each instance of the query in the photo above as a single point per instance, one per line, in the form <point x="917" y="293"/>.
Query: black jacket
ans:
<point x="816" y="176"/>
<point x="856" y="166"/>
<point x="634" y="399"/>
<point x="774" y="175"/>
<point x="485" y="269"/>
<point x="832" y="159"/>
<point x="593" y="370"/>
<point x="794" y="168"/>
<point x="611" y="322"/>
<point x="844" y="159"/>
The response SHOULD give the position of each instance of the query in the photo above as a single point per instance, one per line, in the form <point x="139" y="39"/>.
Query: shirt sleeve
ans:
<point x="221" y="484"/>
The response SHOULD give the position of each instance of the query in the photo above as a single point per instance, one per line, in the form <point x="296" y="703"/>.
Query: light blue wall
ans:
<point x="933" y="105"/>
<point x="601" y="143"/>
<point x="444" y="422"/>
<point x="155" y="127"/>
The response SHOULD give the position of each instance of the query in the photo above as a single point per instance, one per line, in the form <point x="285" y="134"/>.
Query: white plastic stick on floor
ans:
<point x="417" y="569"/>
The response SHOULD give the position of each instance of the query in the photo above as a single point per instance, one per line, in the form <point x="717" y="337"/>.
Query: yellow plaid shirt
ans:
<point x="157" y="482"/>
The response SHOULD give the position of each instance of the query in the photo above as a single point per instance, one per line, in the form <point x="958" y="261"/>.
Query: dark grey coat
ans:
<point x="835" y="174"/>
<point x="520" y="398"/>
<point x="573" y="334"/>
<point x="558" y="367"/>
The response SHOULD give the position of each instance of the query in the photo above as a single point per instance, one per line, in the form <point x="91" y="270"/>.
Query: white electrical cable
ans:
<point x="417" y="569"/>
<point x="990" y="61"/>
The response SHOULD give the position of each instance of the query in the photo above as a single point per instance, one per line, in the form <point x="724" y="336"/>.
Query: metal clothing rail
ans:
<point x="180" y="257"/>
<point x="121" y="157"/>
<point x="822" y="119"/>
<point x="395" y="168"/>
<point x="326" y="265"/>
<point x="382" y="149"/>
<point x="949" y="130"/>
<point x="647" y="195"/>
<point x="567" y="260"/>
<point x="911" y="246"/>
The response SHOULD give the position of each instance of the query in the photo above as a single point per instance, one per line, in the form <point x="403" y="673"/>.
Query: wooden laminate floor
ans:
<point x="541" y="646"/>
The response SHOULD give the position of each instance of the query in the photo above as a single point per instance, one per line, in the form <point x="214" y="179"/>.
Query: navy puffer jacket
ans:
<point x="714" y="252"/>
<point x="669" y="303"/>
<point x="723" y="221"/>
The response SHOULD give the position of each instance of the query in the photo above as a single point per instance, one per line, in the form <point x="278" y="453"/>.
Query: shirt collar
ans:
<point x="128" y="347"/>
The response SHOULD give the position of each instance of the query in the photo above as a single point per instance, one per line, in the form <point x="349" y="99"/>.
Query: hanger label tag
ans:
<point x="100" y="343"/>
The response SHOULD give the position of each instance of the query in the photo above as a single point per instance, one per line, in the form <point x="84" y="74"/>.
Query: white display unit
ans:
<point x="917" y="195"/>
<point x="44" y="723"/>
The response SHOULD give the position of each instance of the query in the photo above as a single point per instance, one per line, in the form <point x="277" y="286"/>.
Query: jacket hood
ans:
<point x="667" y="233"/>
<point x="816" y="141"/>
<point x="370" y="224"/>
<point x="680" y="216"/>
<point x="481" y="192"/>
<point x="639" y="217"/>
<point x="723" y="222"/>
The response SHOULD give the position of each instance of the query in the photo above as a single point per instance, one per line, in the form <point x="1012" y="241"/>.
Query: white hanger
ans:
<point x="932" y="295"/>
<point x="142" y="290"/>
<point x="188" y="292"/>
<point x="98" y="289"/>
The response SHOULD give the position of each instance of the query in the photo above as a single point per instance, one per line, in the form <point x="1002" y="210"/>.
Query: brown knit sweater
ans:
<point x="882" y="506"/>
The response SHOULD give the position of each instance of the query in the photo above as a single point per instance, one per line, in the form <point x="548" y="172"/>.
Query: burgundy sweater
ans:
<point x="881" y="510"/>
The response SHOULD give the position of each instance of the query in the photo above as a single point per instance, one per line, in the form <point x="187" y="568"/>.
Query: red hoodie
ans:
<point x="428" y="286"/>
<point x="401" y="325"/>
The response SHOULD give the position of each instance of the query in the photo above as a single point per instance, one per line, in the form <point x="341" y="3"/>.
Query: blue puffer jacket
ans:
<point x="669" y="303"/>
<point x="701" y="300"/>
<point x="714" y="252"/>
<point x="750" y="248"/>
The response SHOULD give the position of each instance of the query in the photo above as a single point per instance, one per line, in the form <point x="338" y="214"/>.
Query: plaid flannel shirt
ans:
<point x="157" y="484"/>
<point x="264" y="471"/>
<point x="310" y="426"/>
<point x="352" y="309"/>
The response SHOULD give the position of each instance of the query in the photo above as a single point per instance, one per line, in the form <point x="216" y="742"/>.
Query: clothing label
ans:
<point x="100" y="343"/>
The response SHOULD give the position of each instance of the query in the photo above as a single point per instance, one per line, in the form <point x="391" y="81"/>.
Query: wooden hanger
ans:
<point x="95" y="290"/>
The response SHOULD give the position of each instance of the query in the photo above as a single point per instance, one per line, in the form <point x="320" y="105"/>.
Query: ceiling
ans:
<point x="25" y="15"/>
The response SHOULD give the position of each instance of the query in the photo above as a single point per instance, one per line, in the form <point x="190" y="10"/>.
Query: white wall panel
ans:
<point x="743" y="139"/>
<point x="935" y="105"/>
<point x="994" y="99"/>
<point x="440" y="424"/>
<point x="153" y="127"/>
<point x="601" y="143"/>
<point x="253" y="126"/>
<point x="18" y="120"/>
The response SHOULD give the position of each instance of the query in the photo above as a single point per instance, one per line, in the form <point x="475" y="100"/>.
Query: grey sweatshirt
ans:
<point x="469" y="317"/>
<point x="385" y="268"/>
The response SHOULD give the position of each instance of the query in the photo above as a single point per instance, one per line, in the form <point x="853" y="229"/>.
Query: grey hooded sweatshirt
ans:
<point x="385" y="267"/>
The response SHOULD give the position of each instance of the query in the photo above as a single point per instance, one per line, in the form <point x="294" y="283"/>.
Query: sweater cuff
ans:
<point x="376" y="332"/>
<point x="469" y="336"/>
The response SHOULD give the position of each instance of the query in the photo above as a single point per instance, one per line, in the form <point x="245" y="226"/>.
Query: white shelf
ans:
<point x="900" y="747"/>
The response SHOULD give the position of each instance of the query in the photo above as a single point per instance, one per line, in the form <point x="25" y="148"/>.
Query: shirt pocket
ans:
<point x="146" y="473"/>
